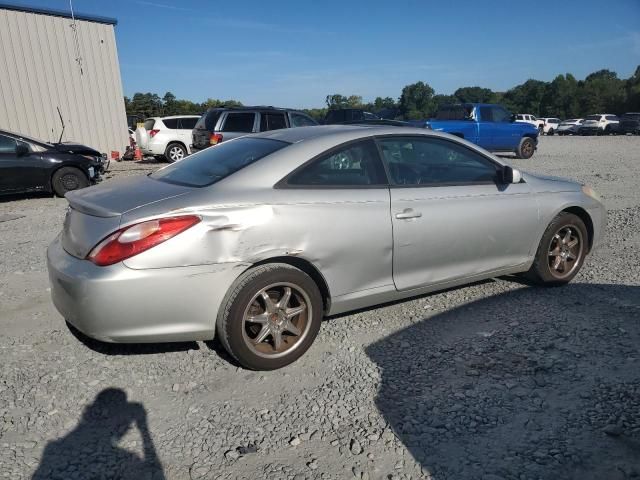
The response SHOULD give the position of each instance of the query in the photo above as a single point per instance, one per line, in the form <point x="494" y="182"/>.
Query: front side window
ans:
<point x="355" y="165"/>
<point x="215" y="163"/>
<point x="272" y="121"/>
<point x="7" y="144"/>
<point x="239" y="122"/>
<point x="418" y="162"/>
<point x="298" y="120"/>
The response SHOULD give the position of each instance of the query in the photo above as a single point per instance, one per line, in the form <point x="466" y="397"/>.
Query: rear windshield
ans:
<point x="454" y="112"/>
<point x="148" y="124"/>
<point x="215" y="163"/>
<point x="208" y="120"/>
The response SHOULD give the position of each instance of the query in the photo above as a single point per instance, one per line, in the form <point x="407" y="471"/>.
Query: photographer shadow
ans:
<point x="91" y="449"/>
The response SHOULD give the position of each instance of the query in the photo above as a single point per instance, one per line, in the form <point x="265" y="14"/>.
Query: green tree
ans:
<point x="416" y="101"/>
<point x="474" y="95"/>
<point x="525" y="98"/>
<point x="337" y="101"/>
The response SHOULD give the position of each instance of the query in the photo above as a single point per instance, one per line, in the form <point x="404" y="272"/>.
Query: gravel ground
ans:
<point x="498" y="380"/>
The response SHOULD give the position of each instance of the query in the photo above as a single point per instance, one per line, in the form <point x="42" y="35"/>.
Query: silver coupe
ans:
<point x="257" y="239"/>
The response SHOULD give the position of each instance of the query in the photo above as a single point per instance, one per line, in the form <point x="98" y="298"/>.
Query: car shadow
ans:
<point x="130" y="348"/>
<point x="13" y="197"/>
<point x="533" y="383"/>
<point x="91" y="449"/>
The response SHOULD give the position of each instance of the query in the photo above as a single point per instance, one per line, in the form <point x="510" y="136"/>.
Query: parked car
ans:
<point x="528" y="118"/>
<point x="30" y="165"/>
<point x="348" y="115"/>
<point x="630" y="123"/>
<point x="550" y="125"/>
<point x="167" y="137"/>
<point x="490" y="126"/>
<point x="220" y="124"/>
<point x="570" y="126"/>
<point x="599" y="124"/>
<point x="255" y="240"/>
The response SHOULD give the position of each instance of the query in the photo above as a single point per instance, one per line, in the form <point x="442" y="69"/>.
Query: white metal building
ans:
<point x="51" y="59"/>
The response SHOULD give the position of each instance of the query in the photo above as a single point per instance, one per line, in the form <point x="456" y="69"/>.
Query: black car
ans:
<point x="348" y="115"/>
<point x="30" y="165"/>
<point x="630" y="123"/>
<point x="224" y="123"/>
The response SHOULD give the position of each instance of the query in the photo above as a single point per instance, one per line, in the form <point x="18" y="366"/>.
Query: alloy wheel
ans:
<point x="565" y="251"/>
<point x="176" y="153"/>
<point x="276" y="320"/>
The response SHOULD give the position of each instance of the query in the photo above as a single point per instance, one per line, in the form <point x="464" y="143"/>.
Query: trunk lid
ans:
<point x="96" y="212"/>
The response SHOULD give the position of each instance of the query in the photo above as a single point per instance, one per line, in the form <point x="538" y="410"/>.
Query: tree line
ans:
<point x="563" y="97"/>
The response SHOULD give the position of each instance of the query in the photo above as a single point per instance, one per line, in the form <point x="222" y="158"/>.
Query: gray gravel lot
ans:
<point x="498" y="380"/>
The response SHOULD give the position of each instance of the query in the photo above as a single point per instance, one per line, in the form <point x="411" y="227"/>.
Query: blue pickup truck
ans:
<point x="490" y="126"/>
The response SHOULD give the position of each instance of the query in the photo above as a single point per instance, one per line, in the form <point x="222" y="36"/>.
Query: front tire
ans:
<point x="550" y="132"/>
<point x="526" y="148"/>
<point x="175" y="152"/>
<point x="561" y="251"/>
<point x="67" y="179"/>
<point x="270" y="316"/>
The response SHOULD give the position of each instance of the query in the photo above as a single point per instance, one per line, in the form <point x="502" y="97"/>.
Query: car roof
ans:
<point x="26" y="138"/>
<point x="256" y="108"/>
<point x="179" y="116"/>
<point x="299" y="134"/>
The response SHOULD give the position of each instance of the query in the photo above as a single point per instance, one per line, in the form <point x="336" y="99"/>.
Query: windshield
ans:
<point x="215" y="163"/>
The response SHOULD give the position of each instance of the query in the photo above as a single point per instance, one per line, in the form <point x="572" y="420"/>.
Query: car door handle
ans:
<point x="408" y="213"/>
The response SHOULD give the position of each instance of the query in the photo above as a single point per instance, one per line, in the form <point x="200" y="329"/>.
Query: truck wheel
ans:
<point x="526" y="148"/>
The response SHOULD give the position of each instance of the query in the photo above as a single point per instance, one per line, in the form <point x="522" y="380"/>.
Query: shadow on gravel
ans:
<point x="130" y="348"/>
<point x="91" y="449"/>
<point x="534" y="383"/>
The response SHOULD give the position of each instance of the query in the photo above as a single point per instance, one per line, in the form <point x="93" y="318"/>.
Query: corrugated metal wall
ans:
<point x="39" y="72"/>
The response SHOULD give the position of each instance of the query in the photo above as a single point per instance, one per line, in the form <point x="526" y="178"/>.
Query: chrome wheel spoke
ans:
<point x="277" y="340"/>
<point x="567" y="237"/>
<point x="555" y="252"/>
<point x="564" y="264"/>
<point x="291" y="328"/>
<point x="269" y="306"/>
<point x="557" y="262"/>
<point x="572" y="243"/>
<point x="284" y="300"/>
<point x="262" y="335"/>
<point x="571" y="256"/>
<point x="261" y="318"/>
<point x="295" y="311"/>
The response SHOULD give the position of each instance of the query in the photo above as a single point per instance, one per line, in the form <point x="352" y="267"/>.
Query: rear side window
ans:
<point x="187" y="123"/>
<point x="611" y="118"/>
<point x="215" y="163"/>
<point x="170" y="123"/>
<point x="149" y="123"/>
<point x="7" y="144"/>
<point x="299" y="120"/>
<point x="239" y="122"/>
<point x="352" y="166"/>
<point x="272" y="121"/>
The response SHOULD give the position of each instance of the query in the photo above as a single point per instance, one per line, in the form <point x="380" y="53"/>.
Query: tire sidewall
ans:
<point x="520" y="148"/>
<point x="230" y="328"/>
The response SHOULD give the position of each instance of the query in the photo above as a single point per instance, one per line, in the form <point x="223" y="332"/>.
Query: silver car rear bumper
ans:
<point x="120" y="304"/>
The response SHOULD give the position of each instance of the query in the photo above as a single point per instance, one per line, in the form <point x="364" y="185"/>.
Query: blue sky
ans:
<point x="294" y="53"/>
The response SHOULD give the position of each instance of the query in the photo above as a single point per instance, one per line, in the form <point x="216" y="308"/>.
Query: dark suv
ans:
<point x="630" y="123"/>
<point x="225" y="123"/>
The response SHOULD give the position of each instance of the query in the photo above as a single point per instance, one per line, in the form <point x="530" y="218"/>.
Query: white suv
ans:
<point x="167" y="137"/>
<point x="599" y="124"/>
<point x="550" y="125"/>
<point x="528" y="118"/>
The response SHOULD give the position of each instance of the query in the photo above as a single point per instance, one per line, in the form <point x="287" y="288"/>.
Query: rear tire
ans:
<point x="175" y="152"/>
<point x="526" y="148"/>
<point x="550" y="132"/>
<point x="561" y="251"/>
<point x="257" y="322"/>
<point x="67" y="179"/>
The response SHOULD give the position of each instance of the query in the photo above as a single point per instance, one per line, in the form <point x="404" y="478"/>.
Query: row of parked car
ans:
<point x="598" y="124"/>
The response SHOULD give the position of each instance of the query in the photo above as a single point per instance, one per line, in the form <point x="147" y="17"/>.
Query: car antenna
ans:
<point x="61" y="121"/>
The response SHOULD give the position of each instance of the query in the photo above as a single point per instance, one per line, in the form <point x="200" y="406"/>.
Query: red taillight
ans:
<point x="137" y="238"/>
<point x="152" y="133"/>
<point x="215" y="138"/>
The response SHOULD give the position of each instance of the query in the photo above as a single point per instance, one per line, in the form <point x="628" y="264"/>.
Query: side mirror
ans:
<point x="511" y="175"/>
<point x="22" y="150"/>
